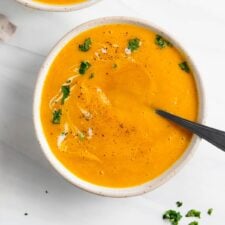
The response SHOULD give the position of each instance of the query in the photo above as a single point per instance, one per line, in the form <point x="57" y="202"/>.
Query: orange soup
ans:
<point x="60" y="2"/>
<point x="98" y="100"/>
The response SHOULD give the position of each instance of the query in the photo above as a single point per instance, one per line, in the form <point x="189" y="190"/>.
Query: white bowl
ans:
<point x="56" y="7"/>
<point x="105" y="191"/>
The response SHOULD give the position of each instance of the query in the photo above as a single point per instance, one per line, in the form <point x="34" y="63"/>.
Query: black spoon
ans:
<point x="214" y="136"/>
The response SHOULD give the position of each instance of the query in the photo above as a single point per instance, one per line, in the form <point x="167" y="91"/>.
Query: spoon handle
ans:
<point x="214" y="136"/>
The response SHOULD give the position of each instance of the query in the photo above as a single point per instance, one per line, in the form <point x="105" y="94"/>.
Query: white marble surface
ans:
<point x="24" y="172"/>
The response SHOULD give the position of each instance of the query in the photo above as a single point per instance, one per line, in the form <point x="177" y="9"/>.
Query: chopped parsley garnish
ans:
<point x="114" y="65"/>
<point x="91" y="76"/>
<point x="172" y="216"/>
<point x="193" y="213"/>
<point x="193" y="223"/>
<point x="179" y="204"/>
<point x="66" y="92"/>
<point x="84" y="66"/>
<point x="56" y="116"/>
<point x="81" y="135"/>
<point x="184" y="66"/>
<point x="161" y="42"/>
<point x="86" y="45"/>
<point x="210" y="211"/>
<point x="134" y="44"/>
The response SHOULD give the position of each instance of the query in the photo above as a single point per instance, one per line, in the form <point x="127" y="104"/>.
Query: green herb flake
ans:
<point x="179" y="204"/>
<point x="86" y="45"/>
<point x="114" y="65"/>
<point x="91" y="76"/>
<point x="56" y="116"/>
<point x="172" y="216"/>
<point x="81" y="136"/>
<point x="193" y="213"/>
<point x="66" y="92"/>
<point x="184" y="66"/>
<point x="161" y="42"/>
<point x="193" y="223"/>
<point x="210" y="211"/>
<point x="134" y="44"/>
<point x="84" y="66"/>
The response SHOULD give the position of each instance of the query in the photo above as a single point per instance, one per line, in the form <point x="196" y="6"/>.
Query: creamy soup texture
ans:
<point x="98" y="100"/>
<point x="60" y="2"/>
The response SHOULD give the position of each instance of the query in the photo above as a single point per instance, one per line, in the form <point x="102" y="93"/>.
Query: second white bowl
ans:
<point x="55" y="7"/>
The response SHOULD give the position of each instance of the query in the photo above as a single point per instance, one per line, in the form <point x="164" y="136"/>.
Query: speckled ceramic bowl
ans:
<point x="55" y="7"/>
<point x="105" y="191"/>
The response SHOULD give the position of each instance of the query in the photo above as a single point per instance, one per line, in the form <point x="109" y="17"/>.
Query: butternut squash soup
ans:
<point x="60" y="2"/>
<point x="98" y="100"/>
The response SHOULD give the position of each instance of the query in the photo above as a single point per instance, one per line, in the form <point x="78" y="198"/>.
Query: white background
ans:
<point x="24" y="172"/>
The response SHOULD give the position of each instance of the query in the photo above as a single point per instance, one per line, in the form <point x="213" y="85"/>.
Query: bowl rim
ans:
<point x="57" y="8"/>
<point x="59" y="167"/>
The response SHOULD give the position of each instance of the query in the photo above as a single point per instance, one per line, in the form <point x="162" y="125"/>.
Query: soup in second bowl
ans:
<point x="98" y="100"/>
<point x="60" y="2"/>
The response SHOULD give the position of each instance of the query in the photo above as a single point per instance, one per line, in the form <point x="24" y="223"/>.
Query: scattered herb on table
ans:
<point x="84" y="66"/>
<point x="210" y="211"/>
<point x="184" y="66"/>
<point x="193" y="223"/>
<point x="179" y="204"/>
<point x="172" y="216"/>
<point x="193" y="213"/>
<point x="56" y="116"/>
<point x="134" y="44"/>
<point x="66" y="92"/>
<point x="91" y="76"/>
<point x="161" y="42"/>
<point x="86" y="45"/>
